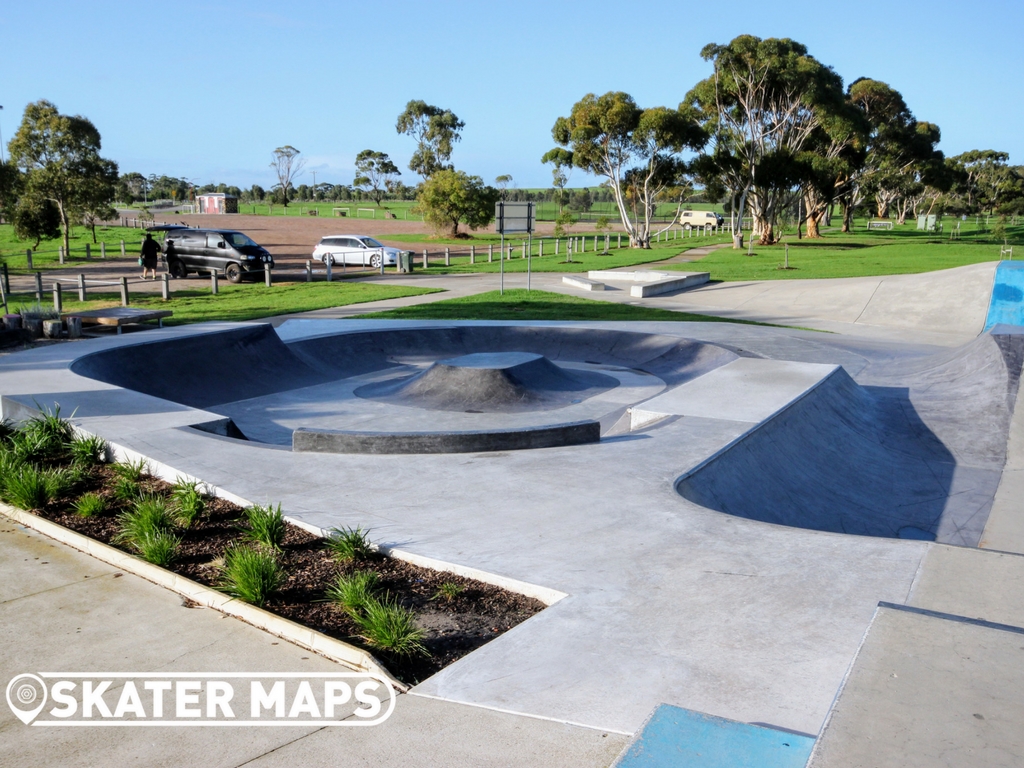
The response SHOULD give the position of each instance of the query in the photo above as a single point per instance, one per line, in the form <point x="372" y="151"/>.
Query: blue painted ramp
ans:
<point x="681" y="738"/>
<point x="1007" y="305"/>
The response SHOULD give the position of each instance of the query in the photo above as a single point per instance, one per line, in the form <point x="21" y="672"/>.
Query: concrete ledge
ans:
<point x="639" y="276"/>
<point x="335" y="650"/>
<point x="342" y="441"/>
<point x="677" y="283"/>
<point x="582" y="283"/>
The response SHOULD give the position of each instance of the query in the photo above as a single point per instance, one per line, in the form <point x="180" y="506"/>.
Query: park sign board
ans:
<point x="513" y="217"/>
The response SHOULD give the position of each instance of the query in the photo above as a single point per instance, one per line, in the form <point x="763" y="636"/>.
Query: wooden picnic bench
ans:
<point x="120" y="316"/>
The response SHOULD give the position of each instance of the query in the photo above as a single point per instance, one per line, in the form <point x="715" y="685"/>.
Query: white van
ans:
<point x="697" y="219"/>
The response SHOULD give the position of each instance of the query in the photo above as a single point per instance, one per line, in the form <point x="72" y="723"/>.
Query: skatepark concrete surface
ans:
<point x="734" y="545"/>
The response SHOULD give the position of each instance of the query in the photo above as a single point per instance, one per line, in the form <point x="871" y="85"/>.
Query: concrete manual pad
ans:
<point x="927" y="691"/>
<point x="746" y="389"/>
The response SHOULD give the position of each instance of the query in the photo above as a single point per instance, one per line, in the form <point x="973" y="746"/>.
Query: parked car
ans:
<point x="224" y="251"/>
<point x="700" y="219"/>
<point x="361" y="250"/>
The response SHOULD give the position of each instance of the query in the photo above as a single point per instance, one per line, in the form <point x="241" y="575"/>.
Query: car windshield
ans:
<point x="369" y="242"/>
<point x="238" y="240"/>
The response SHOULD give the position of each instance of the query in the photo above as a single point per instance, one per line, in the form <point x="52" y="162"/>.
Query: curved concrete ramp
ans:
<point x="844" y="460"/>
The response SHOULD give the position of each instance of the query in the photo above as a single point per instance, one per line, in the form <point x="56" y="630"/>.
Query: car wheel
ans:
<point x="177" y="270"/>
<point x="233" y="272"/>
<point x="329" y="259"/>
<point x="687" y="226"/>
<point x="375" y="261"/>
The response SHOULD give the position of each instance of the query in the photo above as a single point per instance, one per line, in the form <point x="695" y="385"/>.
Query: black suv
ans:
<point x="224" y="251"/>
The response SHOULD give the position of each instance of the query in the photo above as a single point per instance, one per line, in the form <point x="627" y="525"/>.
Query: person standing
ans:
<point x="150" y="255"/>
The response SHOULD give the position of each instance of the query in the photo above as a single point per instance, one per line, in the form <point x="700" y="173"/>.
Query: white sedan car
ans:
<point x="361" y="250"/>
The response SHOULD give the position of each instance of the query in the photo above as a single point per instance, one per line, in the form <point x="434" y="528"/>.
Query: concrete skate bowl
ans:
<point x="478" y="387"/>
<point x="921" y="461"/>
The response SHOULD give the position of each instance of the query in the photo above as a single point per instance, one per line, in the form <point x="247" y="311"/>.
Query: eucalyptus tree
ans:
<point x="435" y="130"/>
<point x="901" y="153"/>
<point x="763" y="105"/>
<point x="60" y="157"/>
<point x="376" y="173"/>
<point x="287" y="165"/>
<point x="561" y="168"/>
<point x="636" y="150"/>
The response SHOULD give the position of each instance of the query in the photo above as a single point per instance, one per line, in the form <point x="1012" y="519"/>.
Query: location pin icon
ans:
<point x="24" y="691"/>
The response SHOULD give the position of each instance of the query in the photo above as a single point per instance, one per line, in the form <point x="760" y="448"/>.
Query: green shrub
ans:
<point x="348" y="544"/>
<point x="266" y="525"/>
<point x="448" y="591"/>
<point x="132" y="470"/>
<point x="88" y="450"/>
<point x="250" y="573"/>
<point x="48" y="435"/>
<point x="7" y="430"/>
<point x="89" y="505"/>
<point x="159" y="548"/>
<point x="147" y="518"/>
<point x="353" y="591"/>
<point x="126" y="489"/>
<point x="27" y="487"/>
<point x="388" y="626"/>
<point x="189" y="501"/>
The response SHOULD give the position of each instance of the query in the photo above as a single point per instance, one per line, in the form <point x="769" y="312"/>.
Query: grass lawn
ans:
<point x="12" y="250"/>
<point x="520" y="304"/>
<point x="246" y="301"/>
<point x="842" y="256"/>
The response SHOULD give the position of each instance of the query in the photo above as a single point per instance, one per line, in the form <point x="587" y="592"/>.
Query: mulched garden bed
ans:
<point x="453" y="628"/>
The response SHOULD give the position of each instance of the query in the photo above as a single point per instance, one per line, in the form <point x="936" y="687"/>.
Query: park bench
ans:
<point x="879" y="225"/>
<point x="120" y="316"/>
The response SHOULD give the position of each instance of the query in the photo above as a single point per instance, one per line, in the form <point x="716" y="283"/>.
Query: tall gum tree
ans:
<point x="761" y="107"/>
<point x="636" y="150"/>
<point x="60" y="157"/>
<point x="435" y="130"/>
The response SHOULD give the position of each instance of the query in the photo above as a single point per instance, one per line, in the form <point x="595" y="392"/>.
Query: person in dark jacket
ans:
<point x="150" y="255"/>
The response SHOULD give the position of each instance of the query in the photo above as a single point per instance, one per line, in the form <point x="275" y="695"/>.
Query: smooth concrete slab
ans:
<point x="975" y="583"/>
<point x="1005" y="527"/>
<point x="927" y="691"/>
<point x="637" y="276"/>
<point x="747" y="390"/>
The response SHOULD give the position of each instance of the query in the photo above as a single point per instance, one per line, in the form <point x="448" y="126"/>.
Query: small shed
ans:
<point x="217" y="202"/>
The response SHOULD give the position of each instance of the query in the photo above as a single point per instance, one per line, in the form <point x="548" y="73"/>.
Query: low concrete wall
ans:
<point x="582" y="283"/>
<point x="338" y="441"/>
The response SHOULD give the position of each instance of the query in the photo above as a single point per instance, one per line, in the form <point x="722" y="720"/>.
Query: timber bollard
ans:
<point x="524" y="249"/>
<point x="88" y="251"/>
<point x="103" y="250"/>
<point x="7" y="279"/>
<point x="557" y="243"/>
<point x="540" y="249"/>
<point x="447" y="257"/>
<point x="60" y="252"/>
<point x="266" y="275"/>
<point x="124" y="291"/>
<point x="490" y="253"/>
<point x="39" y="287"/>
<point x="329" y="262"/>
<point x="213" y="283"/>
<point x="58" y="299"/>
<point x="122" y="249"/>
<point x="165" y="287"/>
<point x="620" y="242"/>
<point x="472" y="254"/>
<point x="426" y="259"/>
<point x="81" y="287"/>
<point x="309" y="271"/>
<point x="28" y="257"/>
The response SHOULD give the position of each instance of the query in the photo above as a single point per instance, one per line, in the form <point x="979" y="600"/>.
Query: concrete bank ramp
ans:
<point x="876" y="460"/>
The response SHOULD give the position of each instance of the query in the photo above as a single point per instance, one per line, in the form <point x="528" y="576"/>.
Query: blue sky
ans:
<point x="206" y="92"/>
